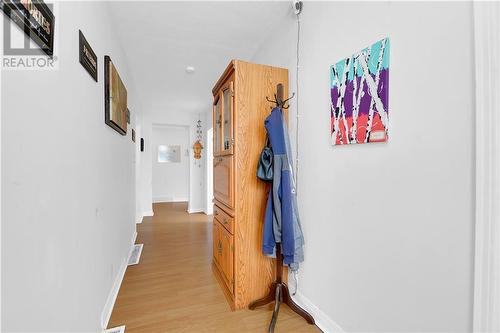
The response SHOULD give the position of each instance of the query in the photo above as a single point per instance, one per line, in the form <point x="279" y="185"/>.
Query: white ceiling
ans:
<point x="161" y="39"/>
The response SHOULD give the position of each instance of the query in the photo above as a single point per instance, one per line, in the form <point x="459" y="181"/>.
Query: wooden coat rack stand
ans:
<point x="279" y="292"/>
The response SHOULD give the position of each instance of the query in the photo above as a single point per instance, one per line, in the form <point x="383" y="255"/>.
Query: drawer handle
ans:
<point x="225" y="221"/>
<point x="219" y="247"/>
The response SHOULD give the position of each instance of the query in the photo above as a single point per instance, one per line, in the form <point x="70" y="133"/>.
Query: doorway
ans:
<point x="170" y="161"/>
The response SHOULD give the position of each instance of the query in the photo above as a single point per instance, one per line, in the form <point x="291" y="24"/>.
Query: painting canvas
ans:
<point x="115" y="95"/>
<point x="359" y="89"/>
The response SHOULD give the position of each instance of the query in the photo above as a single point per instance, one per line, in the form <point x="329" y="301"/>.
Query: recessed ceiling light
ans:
<point x="189" y="69"/>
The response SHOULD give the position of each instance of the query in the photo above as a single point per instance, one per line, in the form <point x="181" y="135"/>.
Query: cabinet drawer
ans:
<point x="225" y="219"/>
<point x="224" y="180"/>
<point x="224" y="254"/>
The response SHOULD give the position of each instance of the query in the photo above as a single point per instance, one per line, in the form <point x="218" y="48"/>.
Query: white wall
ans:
<point x="197" y="177"/>
<point x="171" y="180"/>
<point x="145" y="192"/>
<point x="68" y="187"/>
<point x="388" y="227"/>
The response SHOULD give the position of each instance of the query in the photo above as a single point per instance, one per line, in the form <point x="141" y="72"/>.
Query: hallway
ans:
<point x="173" y="288"/>
<point x="374" y="125"/>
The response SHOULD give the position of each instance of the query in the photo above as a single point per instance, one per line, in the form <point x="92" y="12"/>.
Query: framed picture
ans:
<point x="88" y="58"/>
<point x="359" y="90"/>
<point x="142" y="144"/>
<point x="169" y="154"/>
<point x="36" y="20"/>
<point x="133" y="135"/>
<point x="115" y="95"/>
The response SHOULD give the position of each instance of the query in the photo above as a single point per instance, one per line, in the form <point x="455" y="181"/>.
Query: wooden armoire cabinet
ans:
<point x="239" y="111"/>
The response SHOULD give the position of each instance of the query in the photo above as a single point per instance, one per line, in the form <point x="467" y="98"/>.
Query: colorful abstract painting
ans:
<point x="359" y="87"/>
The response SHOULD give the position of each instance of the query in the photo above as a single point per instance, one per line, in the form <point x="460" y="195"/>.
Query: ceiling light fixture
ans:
<point x="190" y="69"/>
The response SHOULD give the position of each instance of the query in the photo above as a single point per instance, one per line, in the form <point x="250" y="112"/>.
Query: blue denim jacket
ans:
<point x="281" y="223"/>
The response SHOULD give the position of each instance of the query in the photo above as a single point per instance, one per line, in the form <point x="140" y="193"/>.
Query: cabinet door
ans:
<point x="227" y="94"/>
<point x="223" y="180"/>
<point x="216" y="241"/>
<point x="226" y="257"/>
<point x="217" y="123"/>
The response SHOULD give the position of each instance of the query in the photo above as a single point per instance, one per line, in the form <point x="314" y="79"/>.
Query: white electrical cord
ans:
<point x="297" y="115"/>
<point x="297" y="132"/>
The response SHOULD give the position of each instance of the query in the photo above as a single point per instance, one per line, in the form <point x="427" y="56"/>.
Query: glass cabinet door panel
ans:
<point x="217" y="126"/>
<point x="227" y="128"/>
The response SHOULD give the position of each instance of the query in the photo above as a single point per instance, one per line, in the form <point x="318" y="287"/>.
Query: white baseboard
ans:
<point x="138" y="219"/>
<point x="148" y="213"/>
<point x="113" y="294"/>
<point x="120" y="329"/>
<point x="209" y="211"/>
<point x="325" y="323"/>
<point x="195" y="210"/>
<point x="160" y="199"/>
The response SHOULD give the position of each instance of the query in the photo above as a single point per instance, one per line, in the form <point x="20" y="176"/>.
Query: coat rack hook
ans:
<point x="278" y="98"/>
<point x="286" y="100"/>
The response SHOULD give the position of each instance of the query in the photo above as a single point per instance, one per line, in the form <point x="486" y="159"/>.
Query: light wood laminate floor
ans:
<point x="173" y="288"/>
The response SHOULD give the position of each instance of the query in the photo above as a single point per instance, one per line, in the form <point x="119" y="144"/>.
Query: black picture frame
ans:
<point x="40" y="28"/>
<point x="107" y="98"/>
<point x="142" y="144"/>
<point x="88" y="58"/>
<point x="133" y="135"/>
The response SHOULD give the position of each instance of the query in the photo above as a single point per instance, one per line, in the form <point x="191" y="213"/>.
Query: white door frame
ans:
<point x="487" y="250"/>
<point x="209" y="209"/>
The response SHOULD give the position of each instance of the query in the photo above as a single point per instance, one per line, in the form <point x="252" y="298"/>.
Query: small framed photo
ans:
<point x="169" y="154"/>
